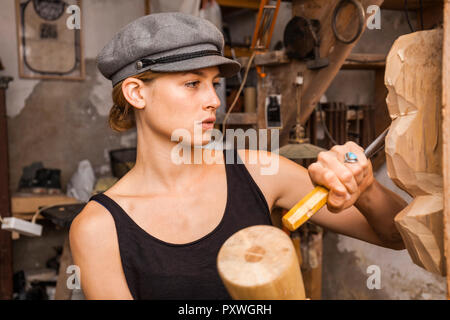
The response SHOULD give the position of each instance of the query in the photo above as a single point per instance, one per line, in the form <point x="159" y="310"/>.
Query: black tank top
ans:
<point x="155" y="269"/>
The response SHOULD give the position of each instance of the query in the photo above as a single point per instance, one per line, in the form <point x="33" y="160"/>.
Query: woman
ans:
<point x="156" y="233"/>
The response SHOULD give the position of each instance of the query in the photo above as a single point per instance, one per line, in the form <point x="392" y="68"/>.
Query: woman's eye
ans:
<point x="192" y="84"/>
<point x="216" y="85"/>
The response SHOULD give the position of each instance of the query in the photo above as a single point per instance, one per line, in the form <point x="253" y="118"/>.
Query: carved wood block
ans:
<point x="414" y="143"/>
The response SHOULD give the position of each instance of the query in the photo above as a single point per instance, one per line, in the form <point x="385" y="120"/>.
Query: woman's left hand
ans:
<point x="345" y="181"/>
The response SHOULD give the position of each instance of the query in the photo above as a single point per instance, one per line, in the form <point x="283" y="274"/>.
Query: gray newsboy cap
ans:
<point x="164" y="42"/>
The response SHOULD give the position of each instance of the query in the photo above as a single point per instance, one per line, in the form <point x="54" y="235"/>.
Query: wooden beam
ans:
<point x="446" y="135"/>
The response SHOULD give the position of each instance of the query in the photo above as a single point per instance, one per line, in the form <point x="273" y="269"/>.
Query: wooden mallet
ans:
<point x="260" y="263"/>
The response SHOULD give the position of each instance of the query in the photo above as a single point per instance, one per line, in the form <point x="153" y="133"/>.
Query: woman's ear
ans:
<point x="132" y="89"/>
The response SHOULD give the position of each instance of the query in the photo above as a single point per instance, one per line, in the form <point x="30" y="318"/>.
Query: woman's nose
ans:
<point x="213" y="101"/>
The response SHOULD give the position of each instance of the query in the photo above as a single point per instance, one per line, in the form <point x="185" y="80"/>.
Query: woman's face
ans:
<point x="182" y="103"/>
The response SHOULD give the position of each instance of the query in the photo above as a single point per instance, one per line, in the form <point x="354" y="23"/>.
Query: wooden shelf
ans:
<point x="412" y="4"/>
<point x="365" y="61"/>
<point x="238" y="118"/>
<point x="354" y="60"/>
<point x="269" y="58"/>
<point x="247" y="4"/>
<point x="238" y="51"/>
<point x="24" y="205"/>
<point x="351" y="115"/>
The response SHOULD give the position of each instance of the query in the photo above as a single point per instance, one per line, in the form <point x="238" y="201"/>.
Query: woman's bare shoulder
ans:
<point x="93" y="224"/>
<point x="95" y="250"/>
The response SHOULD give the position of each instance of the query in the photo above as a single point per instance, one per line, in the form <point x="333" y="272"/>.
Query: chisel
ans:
<point x="317" y="198"/>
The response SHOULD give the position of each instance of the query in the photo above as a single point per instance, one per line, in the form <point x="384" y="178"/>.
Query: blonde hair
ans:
<point x="121" y="115"/>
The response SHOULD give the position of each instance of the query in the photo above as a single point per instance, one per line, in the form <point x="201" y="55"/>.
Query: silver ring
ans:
<point x="350" y="157"/>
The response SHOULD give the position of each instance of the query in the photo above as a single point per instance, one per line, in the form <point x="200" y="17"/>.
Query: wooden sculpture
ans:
<point x="260" y="263"/>
<point x="414" y="143"/>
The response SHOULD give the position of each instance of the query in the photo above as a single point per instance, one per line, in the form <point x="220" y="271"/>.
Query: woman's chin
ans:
<point x="201" y="143"/>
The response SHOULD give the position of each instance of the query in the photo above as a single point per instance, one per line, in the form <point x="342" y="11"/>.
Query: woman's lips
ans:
<point x="208" y="124"/>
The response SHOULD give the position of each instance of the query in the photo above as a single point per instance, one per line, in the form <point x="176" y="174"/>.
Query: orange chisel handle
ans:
<point x="303" y="210"/>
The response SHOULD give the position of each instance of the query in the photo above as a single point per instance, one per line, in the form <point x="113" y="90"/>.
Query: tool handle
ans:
<point x="304" y="209"/>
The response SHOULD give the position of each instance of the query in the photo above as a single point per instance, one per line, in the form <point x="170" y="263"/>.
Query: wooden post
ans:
<point x="446" y="134"/>
<point x="6" y="270"/>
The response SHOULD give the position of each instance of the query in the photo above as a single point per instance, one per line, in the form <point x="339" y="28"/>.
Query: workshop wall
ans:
<point x="63" y="122"/>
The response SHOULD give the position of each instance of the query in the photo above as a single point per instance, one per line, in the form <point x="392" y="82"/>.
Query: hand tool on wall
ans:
<point x="265" y="23"/>
<point x="317" y="198"/>
<point x="361" y="18"/>
<point x="317" y="62"/>
<point x="302" y="41"/>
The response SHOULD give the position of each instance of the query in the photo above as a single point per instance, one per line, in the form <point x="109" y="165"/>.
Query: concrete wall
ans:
<point x="63" y="122"/>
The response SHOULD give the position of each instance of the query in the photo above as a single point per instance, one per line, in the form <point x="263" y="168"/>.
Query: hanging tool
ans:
<point x="265" y="23"/>
<point x="302" y="42"/>
<point x="317" y="62"/>
<point x="298" y="39"/>
<point x="317" y="198"/>
<point x="361" y="18"/>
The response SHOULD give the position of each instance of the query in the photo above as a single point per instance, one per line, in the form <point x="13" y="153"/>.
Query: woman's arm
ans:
<point x="358" y="206"/>
<point x="371" y="219"/>
<point x="94" y="246"/>
<point x="379" y="205"/>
